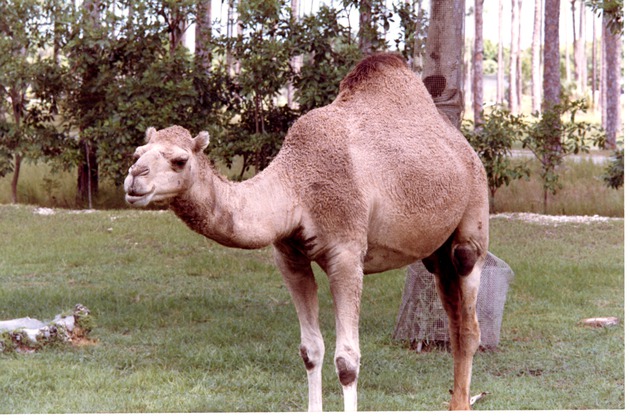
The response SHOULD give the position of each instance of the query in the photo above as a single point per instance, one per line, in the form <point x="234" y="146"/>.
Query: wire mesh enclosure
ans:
<point x="423" y="321"/>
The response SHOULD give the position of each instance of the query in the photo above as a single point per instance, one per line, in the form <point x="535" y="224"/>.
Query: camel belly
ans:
<point x="396" y="239"/>
<point x="380" y="259"/>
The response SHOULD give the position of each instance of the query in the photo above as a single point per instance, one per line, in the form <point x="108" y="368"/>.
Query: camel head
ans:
<point x="165" y="166"/>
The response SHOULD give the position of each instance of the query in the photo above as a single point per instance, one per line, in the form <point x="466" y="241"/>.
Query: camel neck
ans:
<point x="249" y="215"/>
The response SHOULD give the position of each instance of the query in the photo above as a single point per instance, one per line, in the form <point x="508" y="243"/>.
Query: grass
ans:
<point x="583" y="192"/>
<point x="185" y="325"/>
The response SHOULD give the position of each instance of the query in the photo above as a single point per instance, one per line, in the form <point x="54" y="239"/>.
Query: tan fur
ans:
<point x="374" y="181"/>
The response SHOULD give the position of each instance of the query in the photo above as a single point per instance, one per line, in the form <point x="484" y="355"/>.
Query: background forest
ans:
<point x="81" y="81"/>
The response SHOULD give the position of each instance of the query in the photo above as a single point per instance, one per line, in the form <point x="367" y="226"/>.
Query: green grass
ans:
<point x="185" y="325"/>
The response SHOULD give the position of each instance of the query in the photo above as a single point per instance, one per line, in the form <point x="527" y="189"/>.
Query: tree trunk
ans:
<point x="232" y="17"/>
<point x="417" y="63"/>
<point x="582" y="48"/>
<point x="17" y="94"/>
<point x="594" y="64"/>
<point x="442" y="75"/>
<point x="613" y="77"/>
<point x="579" y="73"/>
<point x="87" y="179"/>
<point x="365" y="27"/>
<point x="551" y="69"/>
<point x="17" y="164"/>
<point x="87" y="173"/>
<point x="602" y="77"/>
<point x="443" y="60"/>
<point x="519" y="63"/>
<point x="513" y="99"/>
<point x="500" y="63"/>
<point x="176" y="27"/>
<point x="551" y="72"/>
<point x="203" y="34"/>
<point x="536" y="88"/>
<point x="567" y="52"/>
<point x="296" y="61"/>
<point x="477" y="79"/>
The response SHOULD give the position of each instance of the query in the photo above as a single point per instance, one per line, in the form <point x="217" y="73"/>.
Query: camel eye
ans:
<point x="139" y="152"/>
<point x="179" y="162"/>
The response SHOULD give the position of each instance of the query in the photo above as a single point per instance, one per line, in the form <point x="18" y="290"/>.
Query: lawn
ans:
<point x="185" y="325"/>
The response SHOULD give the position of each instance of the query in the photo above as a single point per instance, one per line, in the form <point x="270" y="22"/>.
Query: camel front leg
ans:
<point x="299" y="279"/>
<point x="346" y="282"/>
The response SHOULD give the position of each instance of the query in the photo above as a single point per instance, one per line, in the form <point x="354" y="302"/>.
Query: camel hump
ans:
<point x="369" y="67"/>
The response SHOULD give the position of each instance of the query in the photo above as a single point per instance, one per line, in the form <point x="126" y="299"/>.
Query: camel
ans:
<point x="373" y="181"/>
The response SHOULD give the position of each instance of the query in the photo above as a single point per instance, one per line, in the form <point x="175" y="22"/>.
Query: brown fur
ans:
<point x="373" y="181"/>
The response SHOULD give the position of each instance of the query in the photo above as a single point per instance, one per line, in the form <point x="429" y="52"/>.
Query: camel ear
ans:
<point x="150" y="132"/>
<point x="201" y="141"/>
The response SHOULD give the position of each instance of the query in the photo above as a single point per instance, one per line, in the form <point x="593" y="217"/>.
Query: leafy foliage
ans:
<point x="329" y="51"/>
<point x="24" y="121"/>
<point x="493" y="142"/>
<point x="80" y="83"/>
<point x="551" y="139"/>
<point x="612" y="10"/>
<point x="614" y="171"/>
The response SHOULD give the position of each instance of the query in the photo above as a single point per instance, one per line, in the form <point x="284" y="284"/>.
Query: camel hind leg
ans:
<point x="457" y="269"/>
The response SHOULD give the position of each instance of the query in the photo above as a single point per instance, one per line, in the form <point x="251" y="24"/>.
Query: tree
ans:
<point x="594" y="65"/>
<point x="519" y="60"/>
<point x="442" y="75"/>
<point x="23" y="117"/>
<point x="419" y="34"/>
<point x="551" y="139"/>
<point x="536" y="82"/>
<point x="366" y="35"/>
<point x="614" y="171"/>
<point x="612" y="44"/>
<point x="500" y="63"/>
<point x="612" y="22"/>
<point x="296" y="61"/>
<point x="266" y="29"/>
<point x="329" y="53"/>
<point x="477" y="80"/>
<point x="203" y="34"/>
<point x="413" y="22"/>
<point x="442" y="72"/>
<point x="176" y="14"/>
<point x="89" y="92"/>
<point x="514" y="53"/>
<point x="493" y="143"/>
<point x="579" y="58"/>
<point x="551" y="69"/>
<point x="232" y="23"/>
